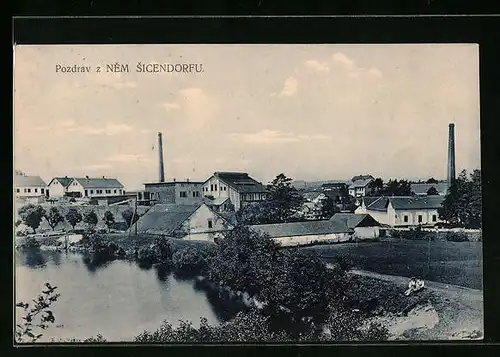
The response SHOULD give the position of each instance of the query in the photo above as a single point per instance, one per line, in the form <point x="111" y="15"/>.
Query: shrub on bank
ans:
<point x="27" y="243"/>
<point x="188" y="261"/>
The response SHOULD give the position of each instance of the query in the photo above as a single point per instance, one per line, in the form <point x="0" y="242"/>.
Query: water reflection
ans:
<point x="94" y="262"/>
<point x="224" y="305"/>
<point x="33" y="258"/>
<point x="162" y="272"/>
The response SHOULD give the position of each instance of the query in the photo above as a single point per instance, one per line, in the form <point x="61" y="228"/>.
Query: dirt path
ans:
<point x="451" y="313"/>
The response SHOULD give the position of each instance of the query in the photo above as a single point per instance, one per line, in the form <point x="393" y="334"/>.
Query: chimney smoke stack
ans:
<point x="160" y="150"/>
<point x="451" y="154"/>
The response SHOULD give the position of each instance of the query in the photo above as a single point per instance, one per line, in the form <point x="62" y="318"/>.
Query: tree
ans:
<point x="397" y="188"/>
<point x="129" y="217"/>
<point x="462" y="203"/>
<point x="109" y="219"/>
<point x="37" y="315"/>
<point x="375" y="187"/>
<point x="432" y="191"/>
<point x="54" y="217"/>
<point x="32" y="215"/>
<point x="73" y="217"/>
<point x="432" y="180"/>
<point x="328" y="207"/>
<point x="285" y="199"/>
<point x="90" y="218"/>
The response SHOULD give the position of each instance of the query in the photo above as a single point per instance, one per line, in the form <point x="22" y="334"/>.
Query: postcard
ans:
<point x="247" y="193"/>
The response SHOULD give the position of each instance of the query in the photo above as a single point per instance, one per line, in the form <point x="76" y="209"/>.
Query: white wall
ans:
<point x="413" y="217"/>
<point x="33" y="191"/>
<point x="197" y="225"/>
<point x="367" y="232"/>
<point x="75" y="186"/>
<point x="56" y="189"/>
<point x="308" y="239"/>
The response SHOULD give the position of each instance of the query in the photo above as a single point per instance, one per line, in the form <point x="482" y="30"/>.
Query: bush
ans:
<point x="187" y="261"/>
<point x="163" y="250"/>
<point x="146" y="255"/>
<point x="28" y="242"/>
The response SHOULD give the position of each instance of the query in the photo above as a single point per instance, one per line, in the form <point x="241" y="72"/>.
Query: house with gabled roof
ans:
<point x="92" y="187"/>
<point x="359" y="185"/>
<point x="308" y="232"/>
<point x="58" y="186"/>
<point x="403" y="211"/>
<point x="364" y="225"/>
<point x="239" y="187"/>
<point x="190" y="222"/>
<point x="29" y="186"/>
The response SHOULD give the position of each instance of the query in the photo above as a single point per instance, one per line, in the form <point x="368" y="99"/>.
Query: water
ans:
<point x="118" y="299"/>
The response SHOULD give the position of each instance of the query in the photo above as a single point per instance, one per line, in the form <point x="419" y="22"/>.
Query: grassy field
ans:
<point x="458" y="263"/>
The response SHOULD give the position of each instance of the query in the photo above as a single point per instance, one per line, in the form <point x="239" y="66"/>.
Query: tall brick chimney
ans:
<point x="451" y="154"/>
<point x="160" y="157"/>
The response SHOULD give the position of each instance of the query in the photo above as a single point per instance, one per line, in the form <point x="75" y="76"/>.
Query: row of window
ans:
<point x="213" y="187"/>
<point x="99" y="192"/>
<point x="28" y="190"/>
<point x="405" y="218"/>
<point x="184" y="194"/>
<point x="253" y="196"/>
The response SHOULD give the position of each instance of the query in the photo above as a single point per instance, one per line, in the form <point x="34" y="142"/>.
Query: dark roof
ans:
<point x="65" y="181"/>
<point x="172" y="183"/>
<point x="241" y="182"/>
<point x="416" y="202"/>
<point x="406" y="202"/>
<point x="29" y="181"/>
<point x="361" y="183"/>
<point x="312" y="195"/>
<point x="422" y="188"/>
<point x="165" y="218"/>
<point x="279" y="230"/>
<point x="355" y="220"/>
<point x="99" y="182"/>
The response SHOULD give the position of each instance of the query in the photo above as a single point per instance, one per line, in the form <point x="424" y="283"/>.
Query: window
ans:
<point x="419" y="218"/>
<point x="194" y="193"/>
<point x="225" y="188"/>
<point x="215" y="187"/>
<point x="115" y="191"/>
<point x="210" y="223"/>
<point x="86" y="193"/>
<point x="18" y="190"/>
<point x="91" y="192"/>
<point x="41" y="190"/>
<point x="36" y="189"/>
<point x="183" y="194"/>
<point x="29" y="190"/>
<point x="405" y="219"/>
<point x="211" y="187"/>
<point x="434" y="218"/>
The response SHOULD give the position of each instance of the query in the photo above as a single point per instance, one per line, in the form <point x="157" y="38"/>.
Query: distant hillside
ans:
<point x="313" y="185"/>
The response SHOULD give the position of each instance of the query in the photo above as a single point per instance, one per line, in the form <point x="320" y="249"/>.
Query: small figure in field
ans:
<point x="414" y="285"/>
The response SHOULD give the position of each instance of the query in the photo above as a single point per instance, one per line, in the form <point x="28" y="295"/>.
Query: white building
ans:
<point x="237" y="186"/>
<point x="190" y="222"/>
<point x="58" y="186"/>
<point x="403" y="211"/>
<point x="359" y="187"/>
<point x="364" y="225"/>
<point x="309" y="232"/>
<point x="29" y="186"/>
<point x="94" y="187"/>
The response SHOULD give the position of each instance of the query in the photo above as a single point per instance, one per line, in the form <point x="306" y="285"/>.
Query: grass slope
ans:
<point x="457" y="263"/>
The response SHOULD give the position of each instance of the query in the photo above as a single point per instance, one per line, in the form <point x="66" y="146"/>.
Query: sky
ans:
<point x="312" y="112"/>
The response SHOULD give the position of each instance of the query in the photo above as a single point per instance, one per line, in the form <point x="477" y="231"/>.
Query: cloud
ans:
<point x="375" y="72"/>
<point x="170" y="106"/>
<point x="144" y="131"/>
<point x="67" y="124"/>
<point x="343" y="59"/>
<point x="289" y="88"/>
<point x="120" y="85"/>
<point x="108" y="129"/>
<point x="353" y="70"/>
<point x="191" y="93"/>
<point x="127" y="158"/>
<point x="317" y="66"/>
<point x="94" y="167"/>
<point x="273" y="136"/>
